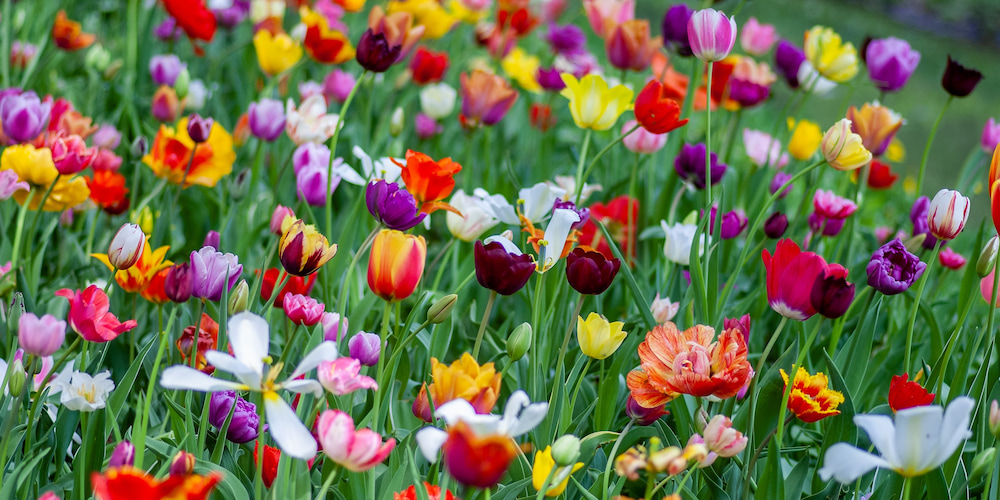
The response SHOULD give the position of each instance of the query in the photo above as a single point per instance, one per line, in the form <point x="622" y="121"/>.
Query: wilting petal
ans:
<point x="287" y="430"/>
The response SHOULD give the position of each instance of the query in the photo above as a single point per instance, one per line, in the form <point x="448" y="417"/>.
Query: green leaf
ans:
<point x="771" y="484"/>
<point x="640" y="300"/>
<point x="841" y="427"/>
<point x="118" y="399"/>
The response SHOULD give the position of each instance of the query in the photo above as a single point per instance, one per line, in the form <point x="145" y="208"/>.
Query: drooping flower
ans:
<point x="594" y="105"/>
<point x="465" y="379"/>
<point x="904" y="393"/>
<point x="90" y="316"/>
<point x="893" y="269"/>
<point x="355" y="450"/>
<point x="177" y="158"/>
<point x="811" y="399"/>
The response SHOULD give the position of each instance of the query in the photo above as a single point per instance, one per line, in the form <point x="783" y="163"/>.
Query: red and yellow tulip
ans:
<point x="396" y="264"/>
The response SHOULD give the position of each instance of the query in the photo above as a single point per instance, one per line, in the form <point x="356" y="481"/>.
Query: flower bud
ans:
<point x="332" y="326"/>
<point x="182" y="83"/>
<point x="365" y="348"/>
<point x="178" y="283"/>
<point x="642" y="415"/>
<point x="519" y="341"/>
<point x="182" y="464"/>
<point x="948" y="212"/>
<point x="982" y="463"/>
<point x="212" y="239"/>
<point x="701" y="419"/>
<point x="124" y="455"/>
<point x="776" y="225"/>
<point x="40" y="336"/>
<point x="995" y="418"/>
<point x="566" y="450"/>
<point x="98" y="58"/>
<point x="14" y="313"/>
<point x="126" y="247"/>
<point x="239" y="298"/>
<point x="199" y="128"/>
<point x="139" y="147"/>
<point x="17" y="378"/>
<point x="278" y="218"/>
<point x="113" y="69"/>
<point x="440" y="310"/>
<point x="988" y="258"/>
<point x="916" y="243"/>
<point x="397" y="122"/>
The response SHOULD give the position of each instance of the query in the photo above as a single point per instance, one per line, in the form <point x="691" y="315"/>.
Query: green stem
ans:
<point x="333" y="151"/>
<point x="41" y="207"/>
<point x="483" y="323"/>
<point x="383" y="335"/>
<point x="803" y="352"/>
<point x="258" y="482"/>
<point x="82" y="463"/>
<point x="579" y="382"/>
<point x="326" y="485"/>
<point x="708" y="162"/>
<point x="139" y="434"/>
<point x="19" y="230"/>
<point x="562" y="351"/>
<point x="916" y="307"/>
<point x="630" y="250"/>
<point x="907" y="488"/>
<point x="593" y="162"/>
<point x="930" y="140"/>
<point x="545" y="483"/>
<point x="346" y="283"/>
<point x="753" y="392"/>
<point x="579" y="166"/>
<point x="993" y="302"/>
<point x="536" y="326"/>
<point x="611" y="458"/>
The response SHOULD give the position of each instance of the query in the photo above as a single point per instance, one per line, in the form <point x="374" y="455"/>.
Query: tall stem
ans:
<point x="383" y="335"/>
<point x="927" y="147"/>
<point x="19" y="231"/>
<point x="562" y="350"/>
<point x="345" y="285"/>
<point x="916" y="306"/>
<point x="483" y="323"/>
<point x="993" y="302"/>
<point x="611" y="458"/>
<point x="258" y="482"/>
<point x="753" y="393"/>
<point x="579" y="166"/>
<point x="333" y="152"/>
<point x="708" y="159"/>
<point x="536" y="326"/>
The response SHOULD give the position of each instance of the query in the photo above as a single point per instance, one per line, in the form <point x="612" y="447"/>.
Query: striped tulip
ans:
<point x="396" y="264"/>
<point x="712" y="35"/>
<point x="947" y="215"/>
<point x="302" y="249"/>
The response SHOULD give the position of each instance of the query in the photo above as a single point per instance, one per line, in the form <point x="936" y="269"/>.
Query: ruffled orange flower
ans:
<point x="463" y="379"/>
<point x="128" y="483"/>
<point x="68" y="34"/>
<point x="108" y="191"/>
<point x="811" y="398"/>
<point x="208" y="339"/>
<point x="171" y="154"/>
<point x="154" y="291"/>
<point x="139" y="276"/>
<point x="429" y="181"/>
<point x="689" y="362"/>
<point x="323" y="44"/>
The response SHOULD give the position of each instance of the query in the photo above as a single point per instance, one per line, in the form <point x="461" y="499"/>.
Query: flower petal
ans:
<point x="185" y="377"/>
<point x="846" y="463"/>
<point x="954" y="428"/>
<point x="227" y="363"/>
<point x="882" y="434"/>
<point x="303" y="386"/>
<point x="287" y="430"/>
<point x="430" y="440"/>
<point x="454" y="411"/>
<point x="917" y="432"/>
<point x="249" y="337"/>
<point x="326" y="351"/>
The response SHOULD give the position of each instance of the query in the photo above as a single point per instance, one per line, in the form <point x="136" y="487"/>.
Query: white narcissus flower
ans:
<point x="679" y="238"/>
<point x="520" y="416"/>
<point x="382" y="168"/>
<point x="249" y="338"/>
<point x="919" y="441"/>
<point x="85" y="393"/>
<point x="309" y="122"/>
<point x="437" y="100"/>
<point x="554" y="239"/>
<point x="476" y="217"/>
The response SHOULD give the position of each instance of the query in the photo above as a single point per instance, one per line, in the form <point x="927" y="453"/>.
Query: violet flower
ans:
<point x="890" y="63"/>
<point x="209" y="273"/>
<point x="392" y="206"/>
<point x="893" y="269"/>
<point x="24" y="115"/>
<point x="690" y="164"/>
<point x="243" y="426"/>
<point x="267" y="119"/>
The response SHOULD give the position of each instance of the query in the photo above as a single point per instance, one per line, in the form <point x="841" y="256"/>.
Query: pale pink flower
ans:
<point x="343" y="376"/>
<point x="355" y="450"/>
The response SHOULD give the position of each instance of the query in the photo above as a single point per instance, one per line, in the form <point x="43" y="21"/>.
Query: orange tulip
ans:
<point x="396" y="264"/>
<point x="429" y="181"/>
<point x="629" y="46"/>
<point x="68" y="34"/>
<point x="154" y="291"/>
<point x="463" y="379"/>
<point x="322" y="43"/>
<point x="121" y="483"/>
<point x="486" y="98"/>
<point x="811" y="400"/>
<point x="170" y="156"/>
<point x="995" y="187"/>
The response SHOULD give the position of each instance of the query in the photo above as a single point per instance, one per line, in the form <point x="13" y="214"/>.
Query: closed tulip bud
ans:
<point x="239" y="298"/>
<point x="139" y="147"/>
<point x="641" y="414"/>
<point x="712" y="34"/>
<point x="212" y="239"/>
<point x="916" y="243"/>
<point x="947" y="214"/>
<point x="988" y="258"/>
<point x="982" y="463"/>
<point x="831" y="293"/>
<point x="98" y="58"/>
<point x="440" y="310"/>
<point x="995" y="418"/>
<point x="396" y="264"/>
<point x="17" y="378"/>
<point x="519" y="341"/>
<point x="776" y="225"/>
<point x="566" y="450"/>
<point x="843" y="148"/>
<point x="303" y="250"/>
<point x="14" y="313"/>
<point x="397" y="122"/>
<point x="590" y="273"/>
<point x="501" y="266"/>
<point x="958" y="80"/>
<point x="374" y="52"/>
<point x="199" y="128"/>
<point x="182" y="84"/>
<point x="278" y="218"/>
<point x="182" y="464"/>
<point x="126" y="247"/>
<point x="123" y="456"/>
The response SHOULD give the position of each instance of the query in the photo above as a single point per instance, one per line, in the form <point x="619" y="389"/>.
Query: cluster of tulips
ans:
<point x="600" y="263"/>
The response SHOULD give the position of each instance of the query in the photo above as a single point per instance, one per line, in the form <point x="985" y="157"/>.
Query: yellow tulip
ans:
<point x="435" y="19"/>
<point x="543" y="466"/>
<point x="832" y="58"/>
<point x="522" y="68"/>
<point x="806" y="138"/>
<point x="844" y="149"/>
<point x="35" y="167"/>
<point x="896" y="152"/>
<point x="275" y="54"/>
<point x="302" y="249"/>
<point x="599" y="338"/>
<point x="592" y="104"/>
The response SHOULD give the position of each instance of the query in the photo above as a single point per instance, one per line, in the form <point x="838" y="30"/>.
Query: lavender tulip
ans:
<point x="312" y="184"/>
<point x="893" y="269"/>
<point x="890" y="63"/>
<point x="365" y="348"/>
<point x="24" y="116"/>
<point x="392" y="206"/>
<point x="338" y="85"/>
<point x="163" y="69"/>
<point x="566" y="40"/>
<point x="40" y="336"/>
<point x="267" y="119"/>
<point x="107" y="137"/>
<point x="243" y="426"/>
<point x="780" y="181"/>
<point x="209" y="273"/>
<point x="788" y="59"/>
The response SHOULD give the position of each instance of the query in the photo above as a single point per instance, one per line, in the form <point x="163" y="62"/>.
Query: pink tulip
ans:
<point x="989" y="140"/>
<point x="642" y="141"/>
<point x="356" y="451"/>
<point x="279" y="215"/>
<point x="302" y="309"/>
<point x="756" y="38"/>
<point x="600" y="11"/>
<point x="721" y="438"/>
<point x="90" y="315"/>
<point x="712" y="35"/>
<point x="40" y="336"/>
<point x="343" y="376"/>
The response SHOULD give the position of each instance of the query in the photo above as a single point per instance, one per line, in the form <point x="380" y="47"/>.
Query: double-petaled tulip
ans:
<point x="429" y="181"/>
<point x="712" y="34"/>
<point x="951" y="259"/>
<point x="756" y="38"/>
<point x="343" y="376"/>
<point x="893" y="269"/>
<point x="486" y="98"/>
<point x="212" y="270"/>
<point x="323" y="43"/>
<point x="24" y="116"/>
<point x="876" y="124"/>
<point x="392" y="206"/>
<point x="396" y="264"/>
<point x="629" y="45"/>
<point x="890" y="63"/>
<point x="657" y="110"/>
<point x="428" y="66"/>
<point x="948" y="212"/>
<point x="843" y="148"/>
<point x="811" y="399"/>
<point x="589" y="272"/>
<point x="690" y="165"/>
<point x="598" y="337"/>
<point x="302" y="249"/>
<point x="904" y="393"/>
<point x="691" y="362"/>
<point x="276" y="53"/>
<point x="791" y="277"/>
<point x="464" y="379"/>
<point x="70" y="154"/>
<point x="831" y="294"/>
<point x="829" y="55"/>
<point x="594" y="105"/>
<point x="89" y="315"/>
<point x="266" y="119"/>
<point x="958" y="80"/>
<point x="243" y="426"/>
<point x="68" y="34"/>
<point x="501" y="266"/>
<point x="355" y="450"/>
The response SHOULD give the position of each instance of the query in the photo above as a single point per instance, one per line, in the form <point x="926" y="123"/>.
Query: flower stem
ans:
<point x="258" y="482"/>
<point x="708" y="162"/>
<point x="579" y="166"/>
<point x="483" y="323"/>
<point x="916" y="306"/>
<point x="41" y="206"/>
<point x="536" y="326"/>
<point x="139" y="434"/>
<point x="930" y="140"/>
<point x="383" y="335"/>
<point x="326" y="484"/>
<point x="611" y="457"/>
<point x="593" y="162"/>
<point x="19" y="231"/>
<point x="562" y="352"/>
<point x="753" y="392"/>
<point x="346" y="284"/>
<point x="333" y="152"/>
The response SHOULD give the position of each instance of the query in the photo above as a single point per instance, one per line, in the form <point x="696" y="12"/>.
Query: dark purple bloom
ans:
<point x="748" y="93"/>
<point x="890" y="62"/>
<point x="742" y="324"/>
<point x="831" y="293"/>
<point x="392" y="206"/>
<point x="210" y="269"/>
<point x="243" y="426"/>
<point x="675" y="29"/>
<point x="584" y="212"/>
<point x="589" y="272"/>
<point x="781" y="179"/>
<point x="550" y="79"/>
<point x="502" y="267"/>
<point x="177" y="283"/>
<point x="212" y="239"/>
<point x="829" y="226"/>
<point x="690" y="165"/>
<point x="165" y="68"/>
<point x="374" y="52"/>
<point x="787" y="59"/>
<point x="230" y="16"/>
<point x="24" y="115"/>
<point x="168" y="30"/>
<point x="565" y="40"/>
<point x="199" y="128"/>
<point x="642" y="415"/>
<point x="733" y="223"/>
<point x="893" y="269"/>
<point x="776" y="225"/>
<point x="918" y="216"/>
<point x="124" y="455"/>
<point x="266" y="119"/>
<point x="958" y="80"/>
<point x="365" y="348"/>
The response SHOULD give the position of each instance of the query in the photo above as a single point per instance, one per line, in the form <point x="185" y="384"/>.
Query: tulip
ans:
<point x="991" y="136"/>
<point x="70" y="154"/>
<point x="122" y="456"/>
<point x="690" y="165"/>
<point x="24" y="116"/>
<point x="663" y="309"/>
<point x="656" y="110"/>
<point x="332" y="326"/>
<point x="365" y="348"/>
<point x="302" y="249"/>
<point x="566" y="40"/>
<point x="211" y="271"/>
<point x="126" y="246"/>
<point x="337" y="85"/>
<point x="589" y="272"/>
<point x="805" y="140"/>
<point x="598" y="337"/>
<point x="733" y="223"/>
<point x="9" y="184"/>
<point x="602" y="12"/>
<point x="486" y="98"/>
<point x="876" y="124"/>
<point x="276" y="53"/>
<point x="642" y="140"/>
<point x="551" y="474"/>
<point x="550" y="79"/>
<point x="958" y="80"/>
<point x="392" y="206"/>
<point x="312" y="184"/>
<point x="756" y="38"/>
<point x="629" y="45"/>
<point x="355" y="450"/>
<point x="428" y="66"/>
<point x="40" y="336"/>
<point x="396" y="264"/>
<point x="164" y="69"/>
<point x="374" y="52"/>
<point x="831" y="294"/>
<point x="679" y="239"/>
<point x="920" y="218"/>
<point x="988" y="257"/>
<point x="324" y="40"/>
<point x="675" y="29"/>
<point x="780" y="182"/>
<point x="429" y="180"/>
<point x="243" y="427"/>
<point x="302" y="309"/>
<point x="107" y="137"/>
<point x="437" y="100"/>
<point x="426" y="127"/>
<point x="166" y="106"/>
<point x="343" y="376"/>
<point x="890" y="63"/>
<point x="476" y="217"/>
<point x="177" y="285"/>
<point x="89" y="315"/>
<point x="810" y="398"/>
<point x="829" y="56"/>
<point x="905" y="394"/>
<point x="948" y="212"/>
<point x="721" y="438"/>
<point x="594" y="105"/>
<point x="776" y="225"/>
<point x="266" y="119"/>
<point x="501" y="266"/>
<point x="791" y="278"/>
<point x="893" y="269"/>
<point x="642" y="415"/>
<point x="750" y="83"/>
<point x="789" y="60"/>
<point x="712" y="34"/>
<point x="198" y="128"/>
<point x="843" y="148"/>
<point x="278" y="218"/>
<point x="951" y="259"/>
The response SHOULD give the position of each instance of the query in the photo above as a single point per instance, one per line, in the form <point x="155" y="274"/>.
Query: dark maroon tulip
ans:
<point x="589" y="272"/>
<point x="178" y="283"/>
<point x="374" y="52"/>
<point x="776" y="225"/>
<point x="392" y="206"/>
<point x="199" y="128"/>
<point x="643" y="416"/>
<point x="502" y="271"/>
<point x="958" y="80"/>
<point x="831" y="293"/>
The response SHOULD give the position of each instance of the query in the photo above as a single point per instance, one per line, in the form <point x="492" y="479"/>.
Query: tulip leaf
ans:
<point x="797" y="480"/>
<point x="117" y="400"/>
<point x="771" y="484"/>
<point x="512" y="490"/>
<point x="22" y="473"/>
<point x="640" y="300"/>
<point x="854" y="357"/>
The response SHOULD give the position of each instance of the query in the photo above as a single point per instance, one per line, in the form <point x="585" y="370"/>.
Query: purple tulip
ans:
<point x="991" y="136"/>
<point x="641" y="414"/>
<point x="392" y="206"/>
<point x="177" y="283"/>
<point x="199" y="127"/>
<point x="918" y="217"/>
<point x="209" y="273"/>
<point x="958" y="80"/>
<point x="332" y="325"/>
<point x="748" y="93"/>
<point x="365" y="348"/>
<point x="893" y="269"/>
<point x="243" y="426"/>
<point x="733" y="223"/>
<point x="890" y="62"/>
<point x="312" y="186"/>
<point x="24" y="115"/>
<point x="124" y="455"/>
<point x="374" y="53"/>
<point x="165" y="68"/>
<point x="829" y="226"/>
<point x="675" y="26"/>
<point x="788" y="59"/>
<point x="212" y="239"/>
<point x="550" y="79"/>
<point x="565" y="40"/>
<point x="310" y="155"/>
<point x="781" y="179"/>
<point x="168" y="30"/>
<point x="831" y="295"/>
<point x="426" y="127"/>
<point x="338" y="85"/>
<point x="776" y="225"/>
<point x="690" y="165"/>
<point x="229" y="17"/>
<point x="106" y="137"/>
<point x="584" y="212"/>
<point x="267" y="119"/>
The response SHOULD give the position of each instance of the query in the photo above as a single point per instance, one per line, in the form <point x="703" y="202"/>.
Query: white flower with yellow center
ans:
<point x="85" y="393"/>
